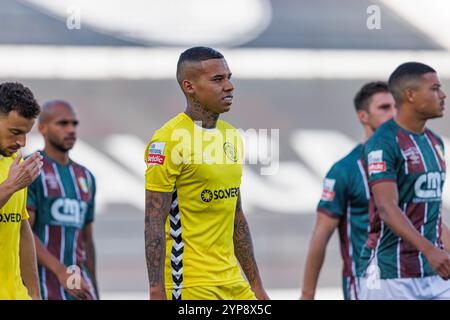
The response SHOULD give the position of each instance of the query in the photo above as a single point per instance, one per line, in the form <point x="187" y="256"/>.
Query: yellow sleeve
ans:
<point x="24" y="213"/>
<point x="164" y="163"/>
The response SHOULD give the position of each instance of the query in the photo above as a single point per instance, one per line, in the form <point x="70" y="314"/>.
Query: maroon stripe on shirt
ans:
<point x="51" y="181"/>
<point x="439" y="231"/>
<point x="374" y="224"/>
<point x="54" y="247"/>
<point x="345" y="246"/>
<point x="409" y="255"/>
<point x="410" y="152"/>
<point x="80" y="253"/>
<point x="80" y="175"/>
<point x="374" y="218"/>
<point x="434" y="140"/>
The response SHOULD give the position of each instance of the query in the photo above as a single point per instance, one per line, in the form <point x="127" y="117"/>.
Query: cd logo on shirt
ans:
<point x="208" y="195"/>
<point x="231" y="151"/>
<point x="68" y="211"/>
<point x="429" y="186"/>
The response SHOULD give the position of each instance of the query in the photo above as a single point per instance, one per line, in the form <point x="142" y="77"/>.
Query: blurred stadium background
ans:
<point x="296" y="66"/>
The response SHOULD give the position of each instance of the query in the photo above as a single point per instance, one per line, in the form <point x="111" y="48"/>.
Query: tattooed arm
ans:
<point x="243" y="248"/>
<point x="157" y="206"/>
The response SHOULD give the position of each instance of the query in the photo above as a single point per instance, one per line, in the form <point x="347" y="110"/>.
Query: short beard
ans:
<point x="58" y="146"/>
<point x="2" y="153"/>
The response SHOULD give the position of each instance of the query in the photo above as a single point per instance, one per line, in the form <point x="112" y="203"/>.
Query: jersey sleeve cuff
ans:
<point x="372" y="183"/>
<point x="158" y="188"/>
<point x="329" y="213"/>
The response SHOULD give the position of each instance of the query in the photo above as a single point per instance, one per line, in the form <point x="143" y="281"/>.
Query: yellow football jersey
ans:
<point x="203" y="169"/>
<point x="11" y="215"/>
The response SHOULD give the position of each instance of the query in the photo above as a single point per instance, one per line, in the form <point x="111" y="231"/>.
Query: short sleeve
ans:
<point x="381" y="160"/>
<point x="335" y="192"/>
<point x="32" y="197"/>
<point x="24" y="213"/>
<point x="164" y="163"/>
<point x="90" y="213"/>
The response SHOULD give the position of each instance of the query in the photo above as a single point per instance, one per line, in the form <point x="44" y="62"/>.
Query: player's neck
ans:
<point x="368" y="132"/>
<point x="198" y="113"/>
<point x="60" y="157"/>
<point x="410" y="121"/>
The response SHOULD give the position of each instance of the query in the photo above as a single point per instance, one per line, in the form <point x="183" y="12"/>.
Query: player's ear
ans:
<point x="188" y="86"/>
<point x="42" y="128"/>
<point x="409" y="95"/>
<point x="363" y="116"/>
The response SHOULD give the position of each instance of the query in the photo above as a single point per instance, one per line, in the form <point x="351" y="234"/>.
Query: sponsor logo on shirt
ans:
<point x="156" y="153"/>
<point x="209" y="195"/>
<point x="328" y="189"/>
<point x="376" y="163"/>
<point x="10" y="217"/>
<point x="429" y="186"/>
<point x="157" y="148"/>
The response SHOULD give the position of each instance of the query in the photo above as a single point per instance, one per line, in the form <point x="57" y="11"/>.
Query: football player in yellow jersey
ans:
<point x="196" y="235"/>
<point x="18" y="266"/>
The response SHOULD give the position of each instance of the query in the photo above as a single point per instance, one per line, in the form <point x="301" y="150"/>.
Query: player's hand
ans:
<point x="305" y="296"/>
<point x="81" y="293"/>
<point x="261" y="294"/>
<point x="22" y="174"/>
<point x="439" y="261"/>
<point x="158" y="293"/>
<point x="36" y="297"/>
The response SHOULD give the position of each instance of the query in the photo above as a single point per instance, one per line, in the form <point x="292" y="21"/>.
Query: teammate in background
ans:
<point x="345" y="198"/>
<point x="18" y="266"/>
<point x="61" y="207"/>
<point x="194" y="254"/>
<point x="403" y="256"/>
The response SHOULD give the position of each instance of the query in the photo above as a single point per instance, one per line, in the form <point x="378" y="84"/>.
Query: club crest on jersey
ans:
<point x="82" y="182"/>
<point x="328" y="189"/>
<point x="440" y="151"/>
<point x="156" y="153"/>
<point x="376" y="163"/>
<point x="231" y="151"/>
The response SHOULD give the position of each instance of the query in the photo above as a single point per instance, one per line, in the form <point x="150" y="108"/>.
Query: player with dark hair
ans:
<point x="345" y="199"/>
<point x="195" y="229"/>
<point x="403" y="257"/>
<point x="61" y="208"/>
<point x="18" y="267"/>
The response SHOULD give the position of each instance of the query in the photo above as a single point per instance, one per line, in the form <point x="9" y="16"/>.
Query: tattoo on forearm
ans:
<point x="243" y="246"/>
<point x="157" y="208"/>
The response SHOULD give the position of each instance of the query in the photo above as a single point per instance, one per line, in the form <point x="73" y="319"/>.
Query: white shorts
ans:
<point x="428" y="288"/>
